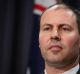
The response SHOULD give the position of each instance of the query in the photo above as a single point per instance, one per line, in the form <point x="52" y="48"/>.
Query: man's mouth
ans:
<point x="55" y="48"/>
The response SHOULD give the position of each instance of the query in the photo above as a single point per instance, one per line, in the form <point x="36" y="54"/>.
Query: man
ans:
<point x="59" y="40"/>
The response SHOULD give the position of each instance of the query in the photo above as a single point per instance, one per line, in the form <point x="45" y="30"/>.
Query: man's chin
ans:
<point x="56" y="63"/>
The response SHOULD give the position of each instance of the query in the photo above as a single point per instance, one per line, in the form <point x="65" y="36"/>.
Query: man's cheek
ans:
<point x="69" y="41"/>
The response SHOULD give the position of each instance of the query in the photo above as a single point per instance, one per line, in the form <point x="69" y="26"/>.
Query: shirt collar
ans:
<point x="73" y="70"/>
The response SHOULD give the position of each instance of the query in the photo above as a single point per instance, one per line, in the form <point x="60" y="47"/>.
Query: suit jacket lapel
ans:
<point x="78" y="72"/>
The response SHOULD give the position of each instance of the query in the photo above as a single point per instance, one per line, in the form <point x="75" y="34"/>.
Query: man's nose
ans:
<point x="55" y="34"/>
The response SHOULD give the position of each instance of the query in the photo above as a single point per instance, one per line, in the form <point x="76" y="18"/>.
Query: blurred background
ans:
<point x="19" y="27"/>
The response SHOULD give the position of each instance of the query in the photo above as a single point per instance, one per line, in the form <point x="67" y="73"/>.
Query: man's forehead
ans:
<point x="57" y="8"/>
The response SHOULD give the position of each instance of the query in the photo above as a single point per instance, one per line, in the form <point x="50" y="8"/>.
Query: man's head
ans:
<point x="59" y="38"/>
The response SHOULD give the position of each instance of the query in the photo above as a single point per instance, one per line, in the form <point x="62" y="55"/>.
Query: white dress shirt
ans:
<point x="73" y="70"/>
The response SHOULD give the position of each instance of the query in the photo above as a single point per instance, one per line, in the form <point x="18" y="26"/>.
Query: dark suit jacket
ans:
<point x="77" y="72"/>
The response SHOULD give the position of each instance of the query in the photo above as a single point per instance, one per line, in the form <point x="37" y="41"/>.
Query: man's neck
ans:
<point x="51" y="70"/>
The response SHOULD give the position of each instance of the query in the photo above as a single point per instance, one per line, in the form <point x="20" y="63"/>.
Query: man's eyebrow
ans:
<point x="64" y="24"/>
<point x="47" y="25"/>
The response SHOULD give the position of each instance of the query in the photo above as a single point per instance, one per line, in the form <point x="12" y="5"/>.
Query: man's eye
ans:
<point x="46" y="29"/>
<point x="66" y="29"/>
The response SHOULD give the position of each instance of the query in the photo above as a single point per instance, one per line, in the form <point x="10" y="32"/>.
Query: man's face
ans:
<point x="59" y="37"/>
